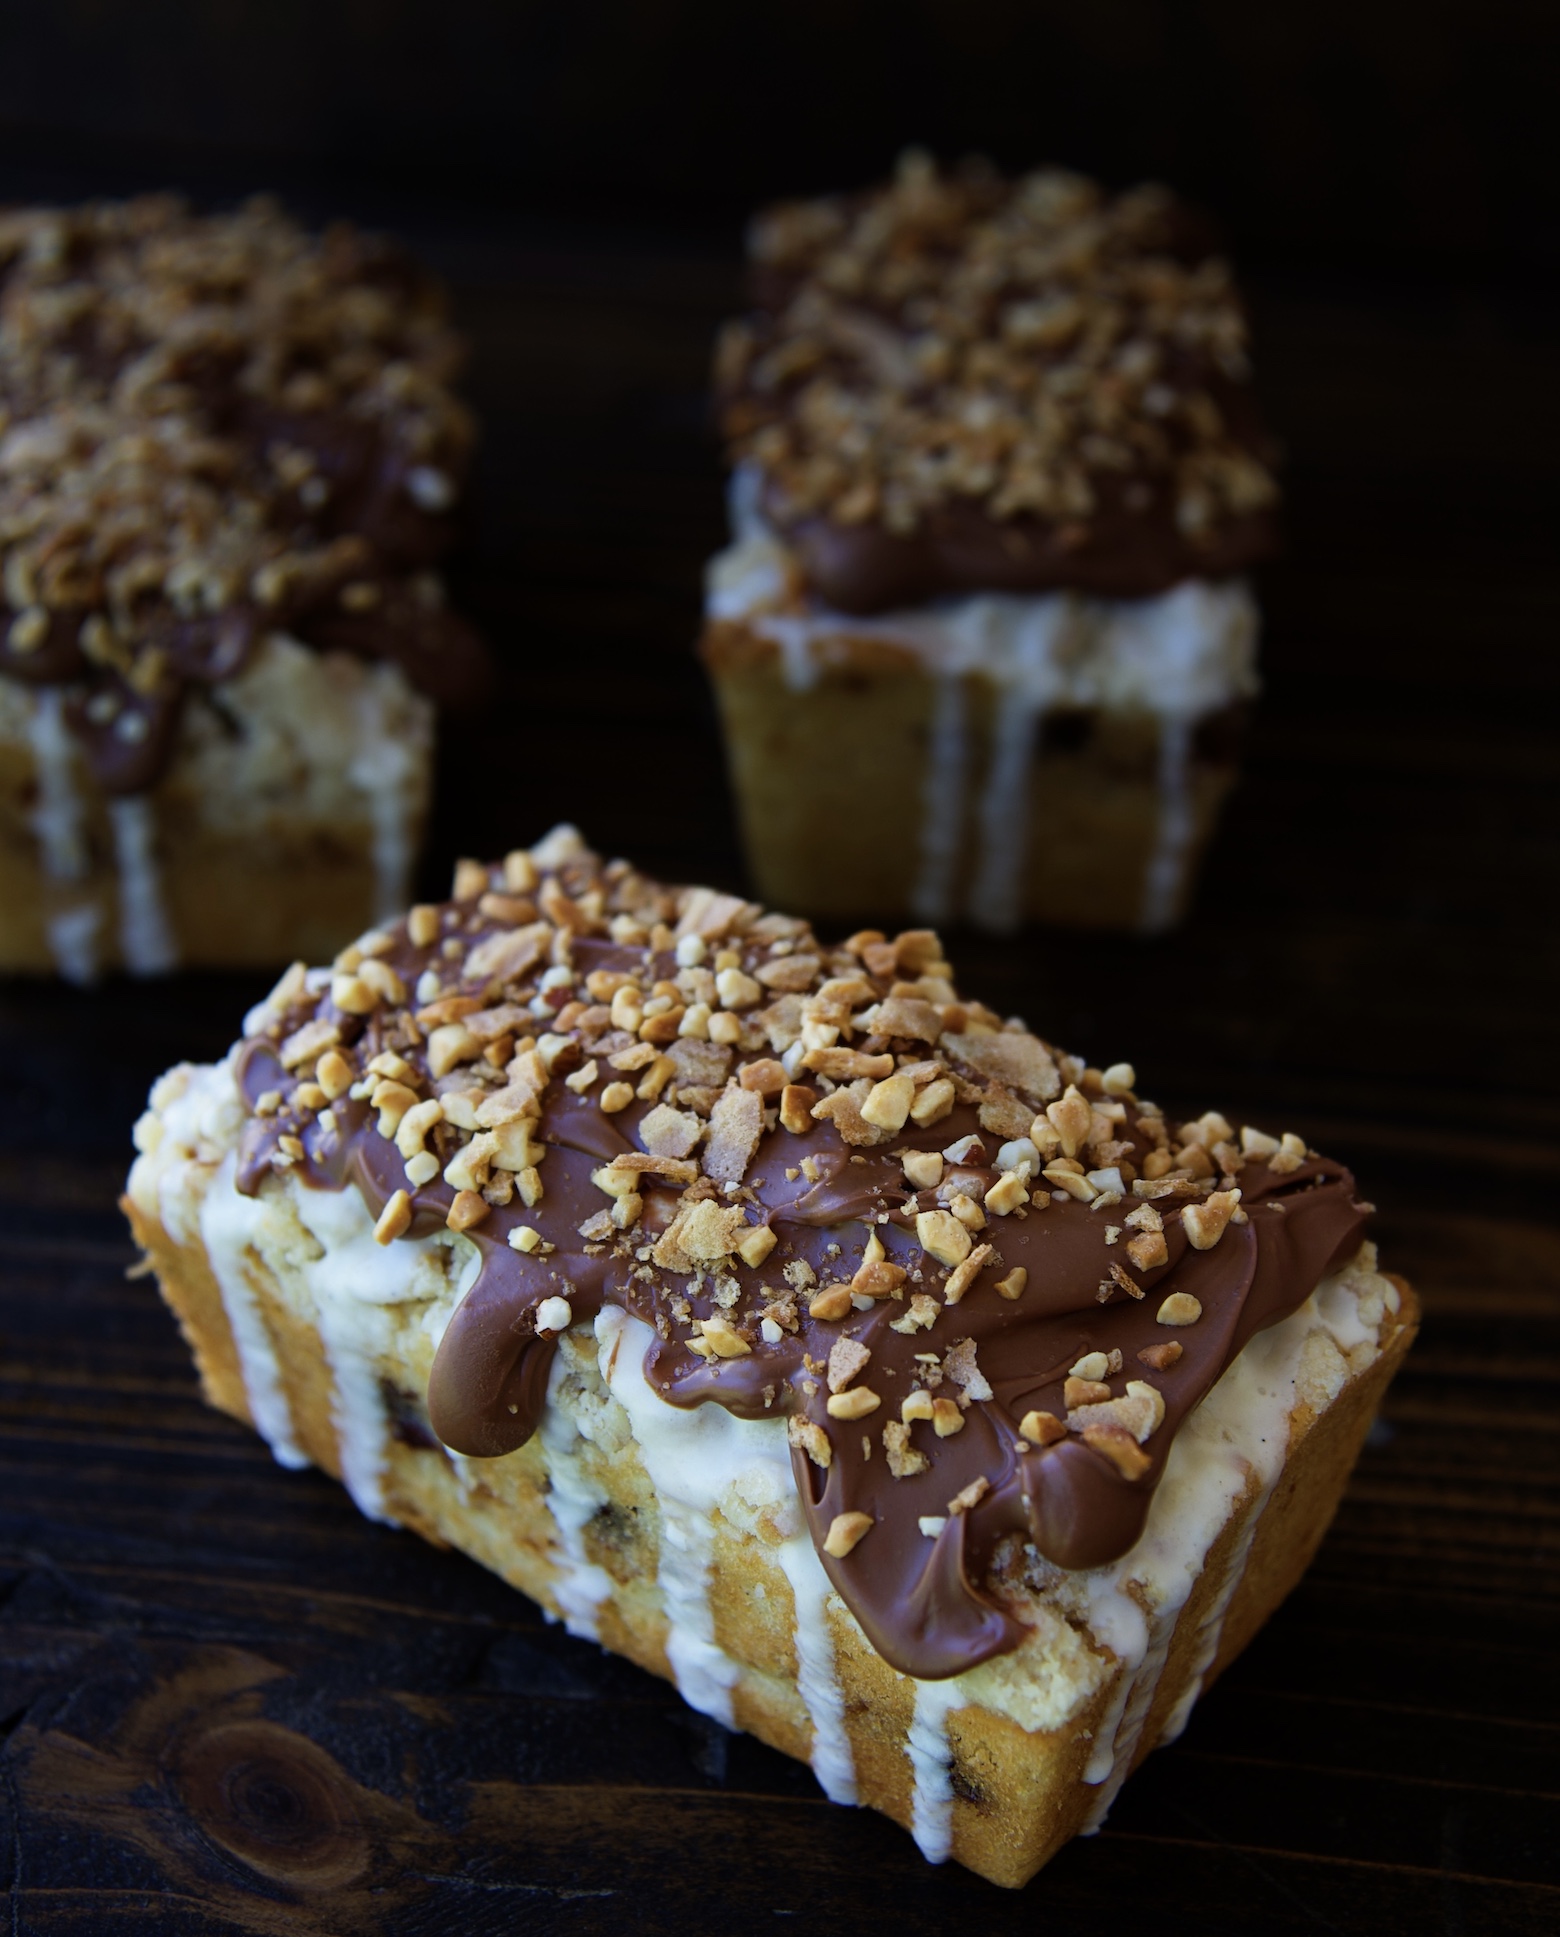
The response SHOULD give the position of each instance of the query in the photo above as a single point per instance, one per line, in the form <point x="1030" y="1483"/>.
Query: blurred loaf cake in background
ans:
<point x="981" y="643"/>
<point x="230" y="460"/>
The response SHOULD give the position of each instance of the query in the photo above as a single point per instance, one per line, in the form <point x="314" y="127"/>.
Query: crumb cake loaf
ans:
<point x="912" y="1395"/>
<point x="229" y="461"/>
<point x="997" y="471"/>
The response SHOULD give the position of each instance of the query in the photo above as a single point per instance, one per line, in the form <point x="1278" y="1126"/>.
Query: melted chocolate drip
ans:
<point x="958" y="548"/>
<point x="925" y="1603"/>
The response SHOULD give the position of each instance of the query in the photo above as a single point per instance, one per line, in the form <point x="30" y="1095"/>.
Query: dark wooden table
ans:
<point x="229" y="1704"/>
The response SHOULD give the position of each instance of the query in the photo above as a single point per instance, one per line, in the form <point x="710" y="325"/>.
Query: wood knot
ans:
<point x="277" y="1802"/>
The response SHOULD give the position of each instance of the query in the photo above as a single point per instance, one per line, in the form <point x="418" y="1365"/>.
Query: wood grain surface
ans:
<point x="228" y="1704"/>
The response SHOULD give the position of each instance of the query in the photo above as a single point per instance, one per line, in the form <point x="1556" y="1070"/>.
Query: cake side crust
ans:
<point x="289" y="818"/>
<point x="819" y="773"/>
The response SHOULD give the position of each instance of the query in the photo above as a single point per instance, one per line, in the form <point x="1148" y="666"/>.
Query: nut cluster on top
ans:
<point x="1028" y="347"/>
<point x="207" y="413"/>
<point x="460" y="1030"/>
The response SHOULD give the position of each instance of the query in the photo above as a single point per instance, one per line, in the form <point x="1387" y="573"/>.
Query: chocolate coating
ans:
<point x="957" y="548"/>
<point x="928" y="1605"/>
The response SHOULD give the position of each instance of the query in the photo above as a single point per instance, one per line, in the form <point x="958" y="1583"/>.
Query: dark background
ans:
<point x="228" y="1704"/>
<point x="1382" y="136"/>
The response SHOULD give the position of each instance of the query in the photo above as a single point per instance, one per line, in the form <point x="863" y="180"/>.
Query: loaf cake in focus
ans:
<point x="229" y="462"/>
<point x="981" y="642"/>
<point x="911" y="1394"/>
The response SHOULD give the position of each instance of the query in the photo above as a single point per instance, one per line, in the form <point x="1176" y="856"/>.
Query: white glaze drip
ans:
<point x="146" y="941"/>
<point x="385" y="770"/>
<point x="347" y="1283"/>
<point x="1117" y="1744"/>
<point x="817" y="1671"/>
<point x="691" y="1457"/>
<point x="931" y="1767"/>
<point x="1166" y="872"/>
<point x="705" y="1674"/>
<point x="1211" y="1629"/>
<point x="1117" y="1620"/>
<point x="226" y="1220"/>
<point x="1026" y="691"/>
<point x="357" y="1412"/>
<point x="794" y="637"/>
<point x="59" y="821"/>
<point x="73" y="940"/>
<point x="1239" y="1432"/>
<point x="574" y="1499"/>
<point x="942" y="802"/>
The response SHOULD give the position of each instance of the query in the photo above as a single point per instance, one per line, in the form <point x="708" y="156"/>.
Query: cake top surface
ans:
<point x="962" y="382"/>
<point x="983" y="1282"/>
<point x="213" y="426"/>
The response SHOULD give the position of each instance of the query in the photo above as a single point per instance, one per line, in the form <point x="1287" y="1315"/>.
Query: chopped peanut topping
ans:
<point x="1205" y="1223"/>
<point x="964" y="1275"/>
<point x="1120" y="1448"/>
<point x="468" y="1209"/>
<point x="767" y="1077"/>
<point x="942" y="1237"/>
<point x="847" y="1357"/>
<point x="923" y="1168"/>
<point x="757" y="1245"/>
<point x="967" y="1211"/>
<point x="724" y="1338"/>
<point x="878" y="1279"/>
<point x="969" y="1497"/>
<point x="1071" y="1117"/>
<point x="933" y="1103"/>
<point x="334" y="1074"/>
<point x="855" y="1404"/>
<point x="1009" y="1191"/>
<point x="846" y="1532"/>
<point x="422" y="925"/>
<point x="1180" y="1308"/>
<point x="832" y="1302"/>
<point x="1148" y="1249"/>
<point x="394" y="1219"/>
<point x="471" y="880"/>
<point x="813" y="1440"/>
<point x="888" y="1102"/>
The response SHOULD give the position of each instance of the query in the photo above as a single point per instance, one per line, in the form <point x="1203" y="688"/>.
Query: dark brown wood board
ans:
<point x="230" y="1704"/>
